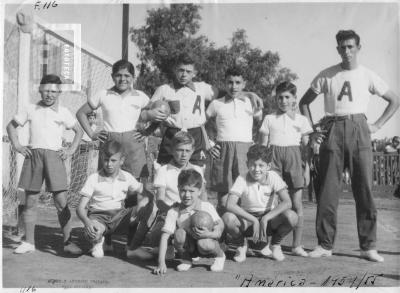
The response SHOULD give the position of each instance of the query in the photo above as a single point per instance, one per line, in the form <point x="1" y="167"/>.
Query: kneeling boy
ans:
<point x="260" y="213"/>
<point x="105" y="191"/>
<point x="191" y="242"/>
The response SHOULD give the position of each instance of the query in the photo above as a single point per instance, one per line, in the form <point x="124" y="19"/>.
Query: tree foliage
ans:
<point x="170" y="31"/>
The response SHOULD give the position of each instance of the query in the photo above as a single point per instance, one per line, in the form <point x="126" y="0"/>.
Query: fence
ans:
<point x="386" y="172"/>
<point x="48" y="55"/>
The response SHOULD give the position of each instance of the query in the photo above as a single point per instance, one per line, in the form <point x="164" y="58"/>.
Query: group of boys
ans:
<point x="259" y="186"/>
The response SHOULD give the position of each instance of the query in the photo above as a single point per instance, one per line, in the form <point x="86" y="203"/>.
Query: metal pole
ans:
<point x="125" y="30"/>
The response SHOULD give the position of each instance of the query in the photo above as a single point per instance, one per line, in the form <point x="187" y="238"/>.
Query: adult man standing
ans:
<point x="347" y="88"/>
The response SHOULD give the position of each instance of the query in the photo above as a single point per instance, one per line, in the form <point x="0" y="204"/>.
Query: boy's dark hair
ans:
<point x="286" y="86"/>
<point x="184" y="59"/>
<point x="51" y="79"/>
<point x="234" y="71"/>
<point x="190" y="177"/>
<point x="183" y="137"/>
<point x="258" y="151"/>
<point x="123" y="64"/>
<point x="111" y="148"/>
<point x="395" y="139"/>
<point x="343" y="35"/>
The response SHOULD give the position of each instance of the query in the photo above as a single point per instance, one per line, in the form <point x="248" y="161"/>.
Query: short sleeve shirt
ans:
<point x="180" y="218"/>
<point x="108" y="193"/>
<point x="283" y="130"/>
<point x="256" y="197"/>
<point x="187" y="103"/>
<point x="167" y="176"/>
<point x="46" y="125"/>
<point x="348" y="91"/>
<point x="120" y="113"/>
<point x="234" y="119"/>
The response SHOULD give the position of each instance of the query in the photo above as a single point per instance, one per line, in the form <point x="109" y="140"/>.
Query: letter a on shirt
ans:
<point x="346" y="91"/>
<point x="197" y="105"/>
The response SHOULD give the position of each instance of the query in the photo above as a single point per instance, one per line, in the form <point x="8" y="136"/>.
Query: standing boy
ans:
<point x="259" y="205"/>
<point x="44" y="159"/>
<point x="234" y="120"/>
<point x="187" y="100"/>
<point x="347" y="88"/>
<point x="105" y="192"/>
<point x="284" y="131"/>
<point x="167" y="194"/>
<point x="191" y="241"/>
<point x="122" y="107"/>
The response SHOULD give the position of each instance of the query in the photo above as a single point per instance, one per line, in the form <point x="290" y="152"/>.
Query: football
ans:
<point x="202" y="219"/>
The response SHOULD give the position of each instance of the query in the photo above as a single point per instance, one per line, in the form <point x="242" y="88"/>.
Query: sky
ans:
<point x="303" y="33"/>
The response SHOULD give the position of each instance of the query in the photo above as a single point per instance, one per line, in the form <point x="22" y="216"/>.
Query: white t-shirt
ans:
<point x="167" y="176"/>
<point x="256" y="197"/>
<point x="234" y="119"/>
<point x="46" y="125"/>
<point x="191" y="103"/>
<point x="120" y="113"/>
<point x="108" y="193"/>
<point x="181" y="218"/>
<point x="283" y="130"/>
<point x="348" y="91"/>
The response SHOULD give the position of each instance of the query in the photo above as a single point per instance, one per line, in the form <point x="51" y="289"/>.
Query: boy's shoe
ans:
<point x="299" y="251"/>
<point x="371" y="255"/>
<point x="72" y="248"/>
<point x="25" y="247"/>
<point x="319" y="252"/>
<point x="183" y="267"/>
<point x="277" y="253"/>
<point x="240" y="255"/>
<point x="218" y="264"/>
<point x="266" y="251"/>
<point x="97" y="249"/>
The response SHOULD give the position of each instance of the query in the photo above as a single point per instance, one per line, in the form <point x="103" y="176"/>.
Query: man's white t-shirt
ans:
<point x="348" y="91"/>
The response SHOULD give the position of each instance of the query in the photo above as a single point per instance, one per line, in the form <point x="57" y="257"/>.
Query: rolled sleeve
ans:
<point x="170" y="222"/>
<point x="69" y="120"/>
<point x="22" y="116"/>
<point x="264" y="129"/>
<point x="160" y="177"/>
<point x="88" y="188"/>
<point x="239" y="187"/>
<point x="94" y="101"/>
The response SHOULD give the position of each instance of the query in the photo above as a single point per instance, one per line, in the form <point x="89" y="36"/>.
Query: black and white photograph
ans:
<point x="200" y="144"/>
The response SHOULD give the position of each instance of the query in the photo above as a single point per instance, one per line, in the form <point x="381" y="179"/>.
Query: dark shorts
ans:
<point x="199" y="155"/>
<point x="248" y="228"/>
<point x="43" y="165"/>
<point x="135" y="156"/>
<point x="115" y="221"/>
<point x="230" y="164"/>
<point x="286" y="161"/>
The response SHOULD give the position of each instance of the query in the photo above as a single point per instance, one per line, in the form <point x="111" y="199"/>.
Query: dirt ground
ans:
<point x="48" y="267"/>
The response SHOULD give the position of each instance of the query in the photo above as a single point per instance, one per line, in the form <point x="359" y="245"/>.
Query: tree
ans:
<point x="170" y="31"/>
